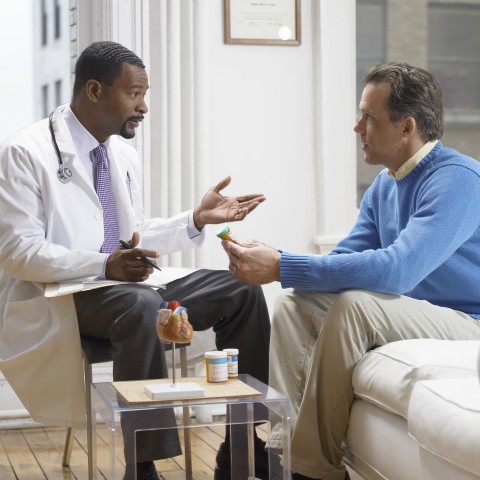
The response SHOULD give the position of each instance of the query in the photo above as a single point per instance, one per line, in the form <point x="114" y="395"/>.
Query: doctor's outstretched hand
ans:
<point x="253" y="261"/>
<point x="216" y="208"/>
<point x="127" y="265"/>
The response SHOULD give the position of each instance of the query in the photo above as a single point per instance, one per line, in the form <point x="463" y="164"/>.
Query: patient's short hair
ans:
<point x="414" y="92"/>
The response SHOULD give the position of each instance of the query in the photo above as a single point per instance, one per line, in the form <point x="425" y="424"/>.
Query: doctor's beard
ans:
<point x="127" y="132"/>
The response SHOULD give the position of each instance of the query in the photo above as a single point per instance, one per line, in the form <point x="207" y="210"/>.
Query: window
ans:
<point x="44" y="23"/>
<point x="57" y="21"/>
<point x="371" y="37"/>
<point x="371" y="50"/>
<point x="454" y="57"/>
<point x="45" y="103"/>
<point x="58" y="93"/>
<point x="443" y="37"/>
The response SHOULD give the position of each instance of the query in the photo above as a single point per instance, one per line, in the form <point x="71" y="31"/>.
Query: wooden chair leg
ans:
<point x="88" y="399"/>
<point x="67" y="450"/>
<point x="186" y="418"/>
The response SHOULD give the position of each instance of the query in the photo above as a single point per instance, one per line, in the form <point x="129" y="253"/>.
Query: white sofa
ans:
<point x="416" y="415"/>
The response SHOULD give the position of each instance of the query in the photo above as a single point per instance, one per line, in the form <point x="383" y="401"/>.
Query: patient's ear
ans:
<point x="409" y="125"/>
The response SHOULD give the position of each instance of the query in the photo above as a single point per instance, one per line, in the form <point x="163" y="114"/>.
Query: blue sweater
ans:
<point x="419" y="236"/>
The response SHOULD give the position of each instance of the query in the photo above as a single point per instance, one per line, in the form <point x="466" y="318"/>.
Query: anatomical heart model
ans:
<point x="173" y="324"/>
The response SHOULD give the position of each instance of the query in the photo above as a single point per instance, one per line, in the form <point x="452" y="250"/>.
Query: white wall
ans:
<point x="16" y="57"/>
<point x="260" y="115"/>
<point x="261" y="122"/>
<point x="278" y="119"/>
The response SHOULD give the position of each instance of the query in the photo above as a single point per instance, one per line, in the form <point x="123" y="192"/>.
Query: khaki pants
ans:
<point x="316" y="341"/>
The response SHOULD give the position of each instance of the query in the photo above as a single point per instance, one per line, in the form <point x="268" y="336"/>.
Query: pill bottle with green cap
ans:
<point x="226" y="234"/>
<point x="232" y="362"/>
<point x="216" y="366"/>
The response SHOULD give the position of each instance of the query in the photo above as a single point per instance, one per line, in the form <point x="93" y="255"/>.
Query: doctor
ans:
<point x="55" y="227"/>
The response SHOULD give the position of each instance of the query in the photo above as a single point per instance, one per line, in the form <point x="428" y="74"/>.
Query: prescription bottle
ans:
<point x="224" y="233"/>
<point x="216" y="366"/>
<point x="232" y="362"/>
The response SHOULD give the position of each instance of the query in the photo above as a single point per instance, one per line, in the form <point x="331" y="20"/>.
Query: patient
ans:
<point x="409" y="268"/>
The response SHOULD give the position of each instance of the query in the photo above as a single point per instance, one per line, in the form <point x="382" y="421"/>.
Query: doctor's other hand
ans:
<point x="253" y="262"/>
<point x="215" y="208"/>
<point x="127" y="264"/>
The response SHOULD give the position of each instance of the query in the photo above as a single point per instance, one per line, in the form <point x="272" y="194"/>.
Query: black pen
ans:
<point x="127" y="246"/>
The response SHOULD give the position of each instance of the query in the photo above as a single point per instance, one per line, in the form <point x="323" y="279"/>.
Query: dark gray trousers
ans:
<point x="126" y="314"/>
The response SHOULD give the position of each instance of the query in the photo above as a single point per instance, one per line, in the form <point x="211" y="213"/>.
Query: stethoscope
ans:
<point x="64" y="174"/>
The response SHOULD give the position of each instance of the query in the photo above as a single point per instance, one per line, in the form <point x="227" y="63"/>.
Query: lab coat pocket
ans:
<point x="28" y="325"/>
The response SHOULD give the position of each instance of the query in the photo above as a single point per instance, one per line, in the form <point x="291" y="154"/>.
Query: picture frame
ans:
<point x="262" y="22"/>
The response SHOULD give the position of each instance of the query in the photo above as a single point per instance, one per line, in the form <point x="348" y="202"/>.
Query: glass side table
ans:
<point x="125" y="420"/>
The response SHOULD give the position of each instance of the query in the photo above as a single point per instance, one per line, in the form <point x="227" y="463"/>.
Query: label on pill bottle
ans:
<point x="216" y="366"/>
<point x="232" y="362"/>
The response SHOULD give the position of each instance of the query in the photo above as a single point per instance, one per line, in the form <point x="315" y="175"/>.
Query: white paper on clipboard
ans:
<point x="158" y="279"/>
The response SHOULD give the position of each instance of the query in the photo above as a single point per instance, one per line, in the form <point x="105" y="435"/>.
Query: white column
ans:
<point x="158" y="109"/>
<point x="179" y="115"/>
<point x="174" y="112"/>
<point x="201" y="102"/>
<point x="335" y="66"/>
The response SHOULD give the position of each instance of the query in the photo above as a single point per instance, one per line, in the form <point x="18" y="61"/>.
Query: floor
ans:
<point x="36" y="454"/>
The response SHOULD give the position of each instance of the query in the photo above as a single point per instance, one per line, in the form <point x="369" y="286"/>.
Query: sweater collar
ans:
<point x="413" y="161"/>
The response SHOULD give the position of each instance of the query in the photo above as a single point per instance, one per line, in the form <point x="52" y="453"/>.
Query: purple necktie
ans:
<point x="103" y="186"/>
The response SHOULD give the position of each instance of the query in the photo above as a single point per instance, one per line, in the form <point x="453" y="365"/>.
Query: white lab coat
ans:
<point x="52" y="232"/>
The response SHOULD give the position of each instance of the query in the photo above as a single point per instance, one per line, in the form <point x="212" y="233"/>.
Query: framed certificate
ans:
<point x="262" y="22"/>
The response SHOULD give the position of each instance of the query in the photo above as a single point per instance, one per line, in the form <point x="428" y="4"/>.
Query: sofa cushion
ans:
<point x="386" y="376"/>
<point x="444" y="418"/>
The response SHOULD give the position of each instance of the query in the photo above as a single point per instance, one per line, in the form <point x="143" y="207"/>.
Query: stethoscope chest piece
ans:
<point x="64" y="174"/>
